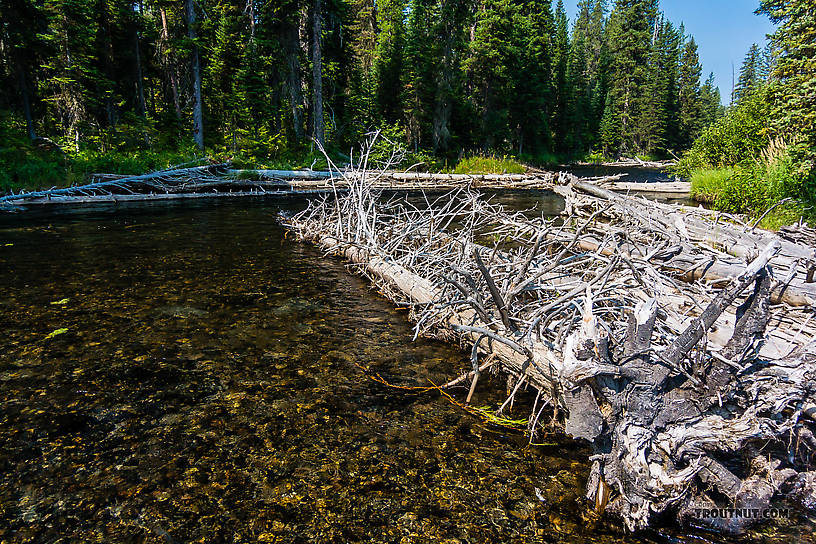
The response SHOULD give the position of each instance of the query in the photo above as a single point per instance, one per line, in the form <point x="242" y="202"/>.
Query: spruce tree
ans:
<point x="531" y="108"/>
<point x="711" y="107"/>
<point x="629" y="39"/>
<point x="657" y="120"/>
<point x="750" y="75"/>
<point x="388" y="59"/>
<point x="421" y="52"/>
<point x="491" y="67"/>
<point x="794" y="90"/>
<point x="690" y="101"/>
<point x="561" y="51"/>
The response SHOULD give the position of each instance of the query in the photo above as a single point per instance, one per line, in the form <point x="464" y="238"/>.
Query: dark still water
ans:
<point x="632" y="173"/>
<point x="186" y="373"/>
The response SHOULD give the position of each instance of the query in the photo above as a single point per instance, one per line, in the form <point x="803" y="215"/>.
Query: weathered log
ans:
<point x="691" y="265"/>
<point x="153" y="180"/>
<point x="657" y="402"/>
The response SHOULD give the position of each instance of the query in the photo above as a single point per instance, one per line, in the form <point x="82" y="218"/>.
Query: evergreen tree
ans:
<point x="586" y="76"/>
<point x="658" y="119"/>
<point x="21" y="52"/>
<point x="691" y="114"/>
<point x="750" y="75"/>
<point x="490" y="68"/>
<point x="420" y="55"/>
<point x="459" y="75"/>
<point x="362" y="108"/>
<point x="794" y="91"/>
<point x="711" y="107"/>
<point x="530" y="111"/>
<point x="629" y="39"/>
<point x="561" y="50"/>
<point x="388" y="58"/>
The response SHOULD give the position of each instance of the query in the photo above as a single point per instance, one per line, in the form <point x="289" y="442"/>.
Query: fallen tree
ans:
<point x="692" y="395"/>
<point x="173" y="182"/>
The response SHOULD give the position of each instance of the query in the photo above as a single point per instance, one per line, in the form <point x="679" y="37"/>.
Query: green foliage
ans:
<point x="630" y="31"/>
<point x="488" y="165"/>
<point x="750" y="76"/>
<point x="738" y="136"/>
<point x="707" y="183"/>
<point x="755" y="187"/>
<point x="112" y="83"/>
<point x="25" y="165"/>
<point x="767" y="138"/>
<point x="793" y="94"/>
<point x="596" y="157"/>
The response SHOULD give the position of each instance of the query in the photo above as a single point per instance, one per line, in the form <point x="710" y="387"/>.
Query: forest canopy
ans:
<point x="260" y="78"/>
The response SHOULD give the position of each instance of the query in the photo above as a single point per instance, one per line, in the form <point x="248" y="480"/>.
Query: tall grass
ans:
<point x="759" y="186"/>
<point x="707" y="183"/>
<point x="489" y="165"/>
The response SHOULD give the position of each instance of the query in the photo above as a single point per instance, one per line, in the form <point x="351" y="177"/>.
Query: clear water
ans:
<point x="206" y="387"/>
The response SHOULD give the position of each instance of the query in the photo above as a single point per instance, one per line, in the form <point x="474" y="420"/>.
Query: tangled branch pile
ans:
<point x="686" y="360"/>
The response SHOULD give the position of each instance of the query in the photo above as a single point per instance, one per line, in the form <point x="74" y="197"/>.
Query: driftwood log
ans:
<point x="695" y="392"/>
<point x="207" y="179"/>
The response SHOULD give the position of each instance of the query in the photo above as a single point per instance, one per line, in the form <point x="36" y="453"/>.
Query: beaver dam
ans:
<point x="678" y="343"/>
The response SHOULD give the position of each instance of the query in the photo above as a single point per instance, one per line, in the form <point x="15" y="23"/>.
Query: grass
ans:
<point x="756" y="189"/>
<point x="28" y="167"/>
<point x="707" y="183"/>
<point x="489" y="165"/>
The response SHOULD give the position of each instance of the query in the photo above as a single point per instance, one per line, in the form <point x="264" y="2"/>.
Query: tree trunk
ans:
<point x="198" y="120"/>
<point x="140" y="94"/>
<point x="170" y="70"/>
<point x="317" y="74"/>
<point x="26" y="96"/>
<point x="292" y="51"/>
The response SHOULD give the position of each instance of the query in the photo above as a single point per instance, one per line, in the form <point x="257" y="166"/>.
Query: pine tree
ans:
<point x="690" y="100"/>
<point x="657" y="120"/>
<point x="530" y="111"/>
<point x="420" y="54"/>
<point x="362" y="108"/>
<point x="586" y="76"/>
<point x="629" y="39"/>
<point x="750" y="74"/>
<point x="21" y="51"/>
<point x="710" y="102"/>
<point x="561" y="51"/>
<point x="794" y="91"/>
<point x="491" y="67"/>
<point x="388" y="59"/>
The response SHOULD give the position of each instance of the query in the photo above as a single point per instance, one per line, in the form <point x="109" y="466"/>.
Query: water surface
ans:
<point x="186" y="373"/>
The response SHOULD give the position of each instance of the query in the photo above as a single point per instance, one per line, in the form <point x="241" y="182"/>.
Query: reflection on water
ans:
<point x="632" y="173"/>
<point x="205" y="389"/>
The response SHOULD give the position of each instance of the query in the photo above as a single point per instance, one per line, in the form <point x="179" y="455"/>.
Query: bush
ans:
<point x="738" y="136"/>
<point x="754" y="187"/>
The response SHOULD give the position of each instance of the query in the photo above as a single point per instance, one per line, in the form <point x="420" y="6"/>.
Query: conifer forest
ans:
<point x="447" y="76"/>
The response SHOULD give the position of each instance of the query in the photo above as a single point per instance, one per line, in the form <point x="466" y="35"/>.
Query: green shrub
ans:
<point x="755" y="187"/>
<point x="595" y="157"/>
<point x="738" y="136"/>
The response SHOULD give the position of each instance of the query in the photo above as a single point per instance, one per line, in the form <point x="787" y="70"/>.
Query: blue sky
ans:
<point x="723" y="29"/>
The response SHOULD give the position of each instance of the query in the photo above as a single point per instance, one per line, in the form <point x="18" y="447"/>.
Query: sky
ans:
<point x="723" y="30"/>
